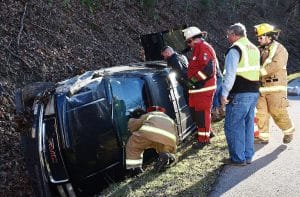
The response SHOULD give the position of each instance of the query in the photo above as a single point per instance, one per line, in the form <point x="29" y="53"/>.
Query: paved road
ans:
<point x="275" y="170"/>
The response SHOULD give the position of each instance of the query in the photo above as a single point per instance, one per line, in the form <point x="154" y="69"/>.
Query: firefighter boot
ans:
<point x="211" y="135"/>
<point x="200" y="145"/>
<point x="162" y="162"/>
<point x="138" y="170"/>
<point x="258" y="140"/>
<point x="287" y="138"/>
<point x="172" y="160"/>
<point x="134" y="172"/>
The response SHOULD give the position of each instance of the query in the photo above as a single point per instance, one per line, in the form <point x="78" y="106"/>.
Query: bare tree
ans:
<point x="292" y="10"/>
<point x="265" y="5"/>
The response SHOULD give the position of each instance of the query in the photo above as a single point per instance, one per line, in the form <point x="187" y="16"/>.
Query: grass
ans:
<point x="193" y="175"/>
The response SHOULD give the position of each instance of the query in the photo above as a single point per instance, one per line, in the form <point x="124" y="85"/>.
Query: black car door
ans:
<point x="168" y="93"/>
<point x="94" y="143"/>
<point x="180" y="104"/>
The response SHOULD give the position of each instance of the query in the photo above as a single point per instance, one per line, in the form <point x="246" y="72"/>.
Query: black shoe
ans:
<point x="162" y="162"/>
<point x="138" y="170"/>
<point x="199" y="145"/>
<point x="248" y="161"/>
<point x="228" y="161"/>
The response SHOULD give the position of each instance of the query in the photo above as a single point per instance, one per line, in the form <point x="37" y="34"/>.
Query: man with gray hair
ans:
<point x="240" y="93"/>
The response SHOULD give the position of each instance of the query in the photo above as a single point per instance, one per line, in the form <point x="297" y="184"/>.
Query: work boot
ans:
<point x="228" y="161"/>
<point x="134" y="171"/>
<point x="248" y="161"/>
<point x="260" y="141"/>
<point x="287" y="138"/>
<point x="162" y="162"/>
<point x="138" y="170"/>
<point x="215" y="115"/>
<point x="199" y="145"/>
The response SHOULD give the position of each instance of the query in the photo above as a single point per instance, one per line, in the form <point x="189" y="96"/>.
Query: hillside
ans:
<point x="53" y="40"/>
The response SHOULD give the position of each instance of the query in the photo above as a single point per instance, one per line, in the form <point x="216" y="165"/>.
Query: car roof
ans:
<point x="74" y="84"/>
<point x="148" y="67"/>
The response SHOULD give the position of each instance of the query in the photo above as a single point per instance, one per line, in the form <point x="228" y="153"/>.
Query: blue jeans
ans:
<point x="239" y="126"/>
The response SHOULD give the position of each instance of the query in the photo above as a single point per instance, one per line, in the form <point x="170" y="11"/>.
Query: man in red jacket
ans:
<point x="201" y="82"/>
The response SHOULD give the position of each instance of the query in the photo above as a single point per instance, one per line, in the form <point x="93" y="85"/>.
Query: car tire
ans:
<point x="29" y="92"/>
<point x="24" y="97"/>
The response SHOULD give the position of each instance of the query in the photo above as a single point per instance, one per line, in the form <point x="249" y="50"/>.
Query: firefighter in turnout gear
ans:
<point x="201" y="82"/>
<point x="273" y="91"/>
<point x="155" y="130"/>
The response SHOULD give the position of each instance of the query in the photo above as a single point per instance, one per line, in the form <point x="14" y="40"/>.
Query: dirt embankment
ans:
<point x="50" y="41"/>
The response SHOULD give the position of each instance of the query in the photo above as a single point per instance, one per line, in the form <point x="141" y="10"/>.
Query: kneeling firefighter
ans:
<point x="155" y="130"/>
<point x="273" y="91"/>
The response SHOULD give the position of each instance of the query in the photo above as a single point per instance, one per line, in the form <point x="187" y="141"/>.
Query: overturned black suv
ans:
<point x="79" y="126"/>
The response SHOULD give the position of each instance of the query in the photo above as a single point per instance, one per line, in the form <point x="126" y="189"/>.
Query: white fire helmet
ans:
<point x="191" y="32"/>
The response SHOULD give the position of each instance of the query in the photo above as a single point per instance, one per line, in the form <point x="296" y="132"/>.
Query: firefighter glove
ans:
<point x="191" y="84"/>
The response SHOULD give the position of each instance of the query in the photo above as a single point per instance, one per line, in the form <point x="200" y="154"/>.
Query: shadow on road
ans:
<point x="243" y="173"/>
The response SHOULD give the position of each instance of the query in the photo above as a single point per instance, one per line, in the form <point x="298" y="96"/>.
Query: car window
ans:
<point x="128" y="91"/>
<point x="161" y="94"/>
<point x="127" y="95"/>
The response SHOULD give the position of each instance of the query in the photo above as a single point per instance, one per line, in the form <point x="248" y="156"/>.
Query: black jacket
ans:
<point x="179" y="65"/>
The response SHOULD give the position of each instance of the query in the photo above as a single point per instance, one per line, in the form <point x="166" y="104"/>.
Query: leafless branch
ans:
<point x="98" y="44"/>
<point x="22" y="24"/>
<point x="43" y="28"/>
<point x="15" y="55"/>
<point x="292" y="6"/>
<point x="7" y="60"/>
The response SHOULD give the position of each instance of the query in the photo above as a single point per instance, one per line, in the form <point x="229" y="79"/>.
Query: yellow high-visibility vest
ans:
<point x="249" y="64"/>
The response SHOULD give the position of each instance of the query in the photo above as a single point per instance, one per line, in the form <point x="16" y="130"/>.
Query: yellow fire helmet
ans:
<point x="265" y="28"/>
